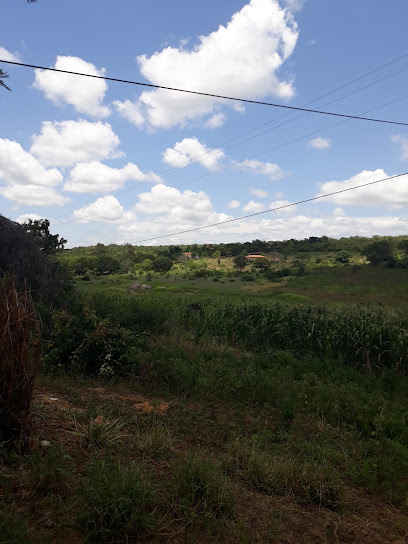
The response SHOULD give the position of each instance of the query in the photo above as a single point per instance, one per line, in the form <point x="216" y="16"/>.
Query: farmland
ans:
<point x="261" y="404"/>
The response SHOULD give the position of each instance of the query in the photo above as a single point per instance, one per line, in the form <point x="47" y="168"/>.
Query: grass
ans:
<point x="201" y="488"/>
<point x="116" y="502"/>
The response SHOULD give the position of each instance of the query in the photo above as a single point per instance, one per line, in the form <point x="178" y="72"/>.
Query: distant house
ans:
<point x="255" y="257"/>
<point x="188" y="254"/>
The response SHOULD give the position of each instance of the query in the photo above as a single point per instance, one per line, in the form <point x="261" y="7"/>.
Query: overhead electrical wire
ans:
<point x="270" y="210"/>
<point x="207" y="174"/>
<point x="209" y="95"/>
<point x="217" y="151"/>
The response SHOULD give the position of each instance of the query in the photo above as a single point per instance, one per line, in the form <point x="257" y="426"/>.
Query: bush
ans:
<point x="201" y="485"/>
<point x="117" y="502"/>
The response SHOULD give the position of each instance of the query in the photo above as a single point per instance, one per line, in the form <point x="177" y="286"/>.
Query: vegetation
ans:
<point x="233" y="401"/>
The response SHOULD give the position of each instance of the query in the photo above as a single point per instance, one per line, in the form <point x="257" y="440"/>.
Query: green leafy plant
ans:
<point x="98" y="432"/>
<point x="117" y="502"/>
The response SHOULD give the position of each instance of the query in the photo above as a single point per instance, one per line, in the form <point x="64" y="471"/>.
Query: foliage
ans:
<point x="82" y="342"/>
<point x="162" y="264"/>
<point x="50" y="471"/>
<point x="98" y="433"/>
<point x="201" y="486"/>
<point x="4" y="75"/>
<point x="10" y="531"/>
<point x="379" y="252"/>
<point x="106" y="265"/>
<point x="240" y="262"/>
<point x="20" y="345"/>
<point x="40" y="229"/>
<point x="117" y="502"/>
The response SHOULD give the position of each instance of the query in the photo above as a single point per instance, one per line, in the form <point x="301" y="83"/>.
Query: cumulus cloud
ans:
<point x="33" y="195"/>
<point x="279" y="204"/>
<point x="391" y="194"/>
<point x="95" y="177"/>
<point x="233" y="204"/>
<point x="26" y="216"/>
<point x="245" y="54"/>
<point x="179" y="208"/>
<point x="320" y="143"/>
<point x="26" y="180"/>
<point x="273" y="171"/>
<point x="190" y="149"/>
<point x="18" y="167"/>
<point x="105" y="210"/>
<point x="260" y="193"/>
<point x="294" y="5"/>
<point x="7" y="55"/>
<point x="67" y="142"/>
<point x="403" y="140"/>
<point x="253" y="207"/>
<point x="217" y="120"/>
<point x="85" y="94"/>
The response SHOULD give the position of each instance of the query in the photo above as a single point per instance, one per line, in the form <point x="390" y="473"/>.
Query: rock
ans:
<point x="45" y="443"/>
<point x="145" y="286"/>
<point x="135" y="285"/>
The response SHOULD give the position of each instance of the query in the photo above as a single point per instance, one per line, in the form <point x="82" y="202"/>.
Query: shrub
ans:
<point x="201" y="486"/>
<point x="117" y="502"/>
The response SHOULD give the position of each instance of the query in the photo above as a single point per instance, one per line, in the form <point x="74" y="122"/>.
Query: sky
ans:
<point x="117" y="163"/>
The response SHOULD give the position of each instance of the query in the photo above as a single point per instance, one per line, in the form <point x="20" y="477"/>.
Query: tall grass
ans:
<point x="374" y="339"/>
<point x="20" y="343"/>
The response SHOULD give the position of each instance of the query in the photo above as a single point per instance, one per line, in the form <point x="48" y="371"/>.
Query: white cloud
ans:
<point x="179" y="208"/>
<point x="105" y="210"/>
<point x="320" y="143"/>
<point x="190" y="149"/>
<point x="33" y="195"/>
<point x="95" y="177"/>
<point x="403" y="140"/>
<point x="273" y="171"/>
<point x="244" y="55"/>
<point x="279" y="204"/>
<point x="26" y="216"/>
<point x="253" y="207"/>
<point x="217" y="120"/>
<point x="18" y="167"/>
<point x="7" y="55"/>
<point x="233" y="204"/>
<point x="68" y="142"/>
<point x="26" y="180"/>
<point x="390" y="194"/>
<point x="260" y="193"/>
<point x="84" y="93"/>
<point x="294" y="5"/>
<point x="130" y="111"/>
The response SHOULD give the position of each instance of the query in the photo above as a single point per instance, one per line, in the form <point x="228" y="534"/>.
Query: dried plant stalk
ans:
<point x="20" y="348"/>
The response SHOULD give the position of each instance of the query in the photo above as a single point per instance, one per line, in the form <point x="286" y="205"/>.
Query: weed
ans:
<point x="202" y="488"/>
<point x="98" y="432"/>
<point x="116" y="502"/>
<point x="156" y="443"/>
<point x="50" y="470"/>
<point x="10" y="531"/>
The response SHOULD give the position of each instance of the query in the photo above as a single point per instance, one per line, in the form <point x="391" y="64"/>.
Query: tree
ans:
<point x="379" y="252"/>
<point x="162" y="264"/>
<point x="106" y="265"/>
<point x="239" y="262"/>
<point x="40" y="229"/>
<point x="4" y="75"/>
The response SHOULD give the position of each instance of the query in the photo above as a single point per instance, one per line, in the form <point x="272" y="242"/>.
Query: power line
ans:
<point x="210" y="95"/>
<point x="218" y="151"/>
<point x="270" y="210"/>
<point x="207" y="174"/>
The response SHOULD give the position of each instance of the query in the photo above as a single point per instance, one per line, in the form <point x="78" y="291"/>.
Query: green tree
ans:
<point x="379" y="252"/>
<point x="40" y="229"/>
<point x="239" y="262"/>
<point x="162" y="264"/>
<point x="4" y="75"/>
<point x="106" y="265"/>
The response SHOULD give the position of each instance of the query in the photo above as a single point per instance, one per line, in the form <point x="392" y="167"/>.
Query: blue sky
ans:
<point x="115" y="163"/>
